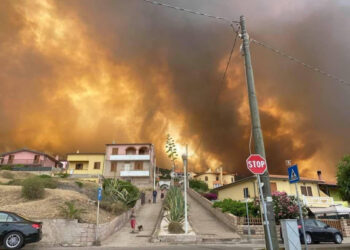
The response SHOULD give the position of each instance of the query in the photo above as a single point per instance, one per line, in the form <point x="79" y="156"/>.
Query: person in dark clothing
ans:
<point x="155" y="196"/>
<point x="162" y="195"/>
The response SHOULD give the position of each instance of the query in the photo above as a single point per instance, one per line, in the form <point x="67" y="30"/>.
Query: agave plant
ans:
<point x="175" y="205"/>
<point x="117" y="190"/>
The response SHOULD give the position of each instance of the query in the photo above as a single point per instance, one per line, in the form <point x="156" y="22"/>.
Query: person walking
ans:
<point x="162" y="195"/>
<point x="133" y="220"/>
<point x="155" y="196"/>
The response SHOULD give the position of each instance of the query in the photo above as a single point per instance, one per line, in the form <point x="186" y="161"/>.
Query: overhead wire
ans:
<point x="194" y="12"/>
<point x="308" y="66"/>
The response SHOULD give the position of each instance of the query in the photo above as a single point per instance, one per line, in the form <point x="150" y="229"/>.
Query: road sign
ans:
<point x="256" y="164"/>
<point x="99" y="193"/>
<point x="293" y="174"/>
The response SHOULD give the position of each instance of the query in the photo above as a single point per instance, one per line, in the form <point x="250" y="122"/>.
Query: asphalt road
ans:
<point x="190" y="247"/>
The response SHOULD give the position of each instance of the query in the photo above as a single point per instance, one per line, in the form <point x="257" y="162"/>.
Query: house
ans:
<point x="215" y="178"/>
<point x="309" y="191"/>
<point x="85" y="165"/>
<point x="332" y="190"/>
<point x="132" y="162"/>
<point x="30" y="160"/>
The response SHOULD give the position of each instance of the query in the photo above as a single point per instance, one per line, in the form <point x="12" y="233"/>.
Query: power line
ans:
<point x="222" y="81"/>
<point x="193" y="12"/>
<point x="308" y="66"/>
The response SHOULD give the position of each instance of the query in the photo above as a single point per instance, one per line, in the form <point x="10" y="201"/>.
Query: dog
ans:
<point x="140" y="227"/>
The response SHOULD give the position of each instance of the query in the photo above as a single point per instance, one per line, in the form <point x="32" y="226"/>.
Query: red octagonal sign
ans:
<point x="256" y="164"/>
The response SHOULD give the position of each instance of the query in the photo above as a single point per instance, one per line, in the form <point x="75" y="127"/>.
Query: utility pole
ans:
<point x="258" y="140"/>
<point x="185" y="161"/>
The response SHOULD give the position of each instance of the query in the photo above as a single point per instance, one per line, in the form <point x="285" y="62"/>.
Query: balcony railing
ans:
<point x="22" y="162"/>
<point x="130" y="158"/>
<point x="134" y="173"/>
<point x="312" y="201"/>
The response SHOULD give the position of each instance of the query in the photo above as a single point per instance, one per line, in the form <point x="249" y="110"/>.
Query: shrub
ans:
<point x="115" y="208"/>
<point x="47" y="182"/>
<point x="211" y="196"/>
<point x="62" y="175"/>
<point x="80" y="184"/>
<point x="286" y="207"/>
<point x="199" y="186"/>
<point x="175" y="227"/>
<point x="6" y="167"/>
<point x="7" y="175"/>
<point x="70" y="211"/>
<point x="175" y="205"/>
<point x="15" y="182"/>
<point x="238" y="208"/>
<point x="32" y="190"/>
<point x="123" y="191"/>
<point x="44" y="176"/>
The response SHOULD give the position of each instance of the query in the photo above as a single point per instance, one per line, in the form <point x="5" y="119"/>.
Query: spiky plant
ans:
<point x="175" y="205"/>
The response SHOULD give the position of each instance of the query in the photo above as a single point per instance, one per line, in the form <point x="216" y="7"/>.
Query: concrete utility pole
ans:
<point x="258" y="139"/>
<point x="185" y="161"/>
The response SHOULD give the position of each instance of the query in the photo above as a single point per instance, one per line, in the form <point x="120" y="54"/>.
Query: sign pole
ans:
<point x="301" y="216"/>
<point x="264" y="210"/>
<point x="246" y="206"/>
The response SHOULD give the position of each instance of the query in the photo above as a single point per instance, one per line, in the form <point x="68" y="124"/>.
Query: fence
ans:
<point x="333" y="223"/>
<point x="252" y="221"/>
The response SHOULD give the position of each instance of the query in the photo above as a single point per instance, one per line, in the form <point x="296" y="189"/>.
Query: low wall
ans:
<point x="226" y="218"/>
<point x="256" y="231"/>
<point x="62" y="232"/>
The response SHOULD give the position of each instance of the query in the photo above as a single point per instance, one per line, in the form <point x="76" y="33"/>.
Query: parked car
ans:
<point x="16" y="231"/>
<point x="317" y="231"/>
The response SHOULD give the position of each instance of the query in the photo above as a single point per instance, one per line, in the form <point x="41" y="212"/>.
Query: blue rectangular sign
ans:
<point x="293" y="174"/>
<point x="99" y="194"/>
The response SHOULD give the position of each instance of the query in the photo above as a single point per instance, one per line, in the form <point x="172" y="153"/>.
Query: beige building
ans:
<point x="215" y="178"/>
<point x="309" y="190"/>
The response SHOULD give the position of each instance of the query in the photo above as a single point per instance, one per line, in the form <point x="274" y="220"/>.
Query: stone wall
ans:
<point x="62" y="232"/>
<point x="256" y="231"/>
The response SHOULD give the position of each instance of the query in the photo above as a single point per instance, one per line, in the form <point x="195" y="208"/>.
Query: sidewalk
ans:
<point x="147" y="217"/>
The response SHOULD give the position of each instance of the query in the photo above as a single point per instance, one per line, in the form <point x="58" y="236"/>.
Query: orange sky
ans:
<point x="76" y="75"/>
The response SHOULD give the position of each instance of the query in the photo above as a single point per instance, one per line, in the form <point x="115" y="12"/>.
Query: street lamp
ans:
<point x="184" y="158"/>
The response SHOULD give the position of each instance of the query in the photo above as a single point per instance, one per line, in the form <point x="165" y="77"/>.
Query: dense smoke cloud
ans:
<point x="79" y="74"/>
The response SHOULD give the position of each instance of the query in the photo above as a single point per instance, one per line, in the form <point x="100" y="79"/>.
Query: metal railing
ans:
<point x="252" y="221"/>
<point x="333" y="223"/>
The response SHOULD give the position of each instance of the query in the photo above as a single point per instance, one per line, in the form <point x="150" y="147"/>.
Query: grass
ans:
<point x="80" y="184"/>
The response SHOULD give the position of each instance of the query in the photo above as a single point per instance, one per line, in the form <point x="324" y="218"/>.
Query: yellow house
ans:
<point x="309" y="190"/>
<point x="215" y="178"/>
<point x="85" y="165"/>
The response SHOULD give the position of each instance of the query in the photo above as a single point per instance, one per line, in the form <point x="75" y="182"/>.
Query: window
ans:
<point x="320" y="224"/>
<point x="217" y="178"/>
<point x="79" y="166"/>
<point x="139" y="165"/>
<point x="97" y="165"/>
<point x="306" y="190"/>
<point x="1" y="160"/>
<point x="36" y="159"/>
<point x="232" y="180"/>
<point x="127" y="166"/>
<point x="143" y="151"/>
<point x="206" y="178"/>
<point x="113" y="167"/>
<point x="10" y="159"/>
<point x="246" y="193"/>
<point x="273" y="186"/>
<point x="114" y="151"/>
<point x="3" y="217"/>
<point x="310" y="223"/>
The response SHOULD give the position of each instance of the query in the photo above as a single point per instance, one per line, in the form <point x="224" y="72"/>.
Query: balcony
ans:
<point x="134" y="173"/>
<point x="130" y="158"/>
<point x="311" y="201"/>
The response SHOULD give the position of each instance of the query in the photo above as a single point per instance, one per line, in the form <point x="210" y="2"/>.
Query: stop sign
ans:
<point x="256" y="164"/>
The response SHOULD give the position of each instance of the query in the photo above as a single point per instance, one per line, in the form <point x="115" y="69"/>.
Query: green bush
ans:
<point x="199" y="186"/>
<point x="174" y="203"/>
<point x="70" y="211"/>
<point x="6" y="167"/>
<point x="115" y="208"/>
<point x="15" y="182"/>
<point x="44" y="176"/>
<point x="32" y="190"/>
<point x="123" y="191"/>
<point x="80" y="184"/>
<point x="238" y="208"/>
<point x="7" y="175"/>
<point x="62" y="175"/>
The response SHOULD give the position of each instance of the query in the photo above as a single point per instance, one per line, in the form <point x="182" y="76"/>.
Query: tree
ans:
<point x="343" y="177"/>
<point x="171" y="151"/>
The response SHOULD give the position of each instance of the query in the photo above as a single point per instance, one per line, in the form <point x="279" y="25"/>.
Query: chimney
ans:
<point x="78" y="151"/>
<point x="319" y="174"/>
<point x="57" y="157"/>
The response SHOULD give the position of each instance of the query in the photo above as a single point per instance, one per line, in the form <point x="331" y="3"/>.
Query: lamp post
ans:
<point x="184" y="158"/>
